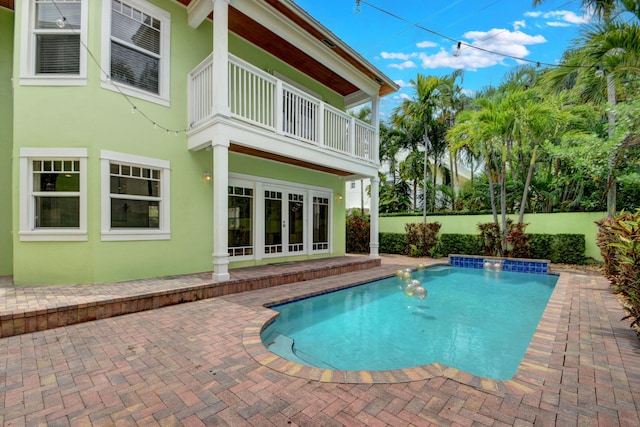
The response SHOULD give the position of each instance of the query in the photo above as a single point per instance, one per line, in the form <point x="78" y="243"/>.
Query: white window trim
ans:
<point x="164" y="77"/>
<point x="309" y="191"/>
<point x="27" y="231"/>
<point x="28" y="76"/>
<point x="164" y="230"/>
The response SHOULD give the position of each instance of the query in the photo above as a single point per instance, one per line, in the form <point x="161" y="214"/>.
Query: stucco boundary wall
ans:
<point x="543" y="223"/>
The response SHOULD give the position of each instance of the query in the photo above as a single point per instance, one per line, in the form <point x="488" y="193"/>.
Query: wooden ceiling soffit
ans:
<point x="385" y="89"/>
<point x="288" y="160"/>
<point x="7" y="4"/>
<point x="262" y="37"/>
<point x="247" y="28"/>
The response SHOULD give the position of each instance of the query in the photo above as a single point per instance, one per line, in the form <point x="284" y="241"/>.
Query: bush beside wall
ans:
<point x="463" y="244"/>
<point x="392" y="243"/>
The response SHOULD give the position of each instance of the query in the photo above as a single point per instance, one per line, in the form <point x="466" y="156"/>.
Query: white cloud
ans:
<point x="426" y="44"/>
<point x="561" y="18"/>
<point x="404" y="65"/>
<point x="519" y="24"/>
<point x="397" y="55"/>
<point x="402" y="83"/>
<point x="503" y="41"/>
<point x="401" y="97"/>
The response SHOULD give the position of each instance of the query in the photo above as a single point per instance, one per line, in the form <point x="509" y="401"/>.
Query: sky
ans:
<point x="405" y="37"/>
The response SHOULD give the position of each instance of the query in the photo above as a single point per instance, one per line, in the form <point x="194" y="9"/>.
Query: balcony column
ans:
<point x="220" y="210"/>
<point x="220" y="75"/>
<point x="375" y="122"/>
<point x="375" y="181"/>
<point x="373" y="218"/>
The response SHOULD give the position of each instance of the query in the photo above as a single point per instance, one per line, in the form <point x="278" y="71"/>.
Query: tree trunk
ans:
<point x="492" y="197"/>
<point x="424" y="189"/>
<point x="525" y="192"/>
<point x="503" y="207"/>
<point x="611" y="180"/>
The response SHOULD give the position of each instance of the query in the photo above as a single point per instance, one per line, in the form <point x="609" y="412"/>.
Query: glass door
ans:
<point x="296" y="222"/>
<point x="284" y="222"/>
<point x="273" y="222"/>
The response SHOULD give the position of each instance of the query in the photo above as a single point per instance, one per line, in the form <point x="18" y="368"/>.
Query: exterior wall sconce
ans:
<point x="339" y="196"/>
<point x="206" y="176"/>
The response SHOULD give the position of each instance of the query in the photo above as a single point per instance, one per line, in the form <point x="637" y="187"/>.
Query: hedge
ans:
<point x="463" y="244"/>
<point x="392" y="243"/>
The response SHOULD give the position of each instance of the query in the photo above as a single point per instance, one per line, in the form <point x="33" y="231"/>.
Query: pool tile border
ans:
<point x="517" y="265"/>
<point x="529" y="377"/>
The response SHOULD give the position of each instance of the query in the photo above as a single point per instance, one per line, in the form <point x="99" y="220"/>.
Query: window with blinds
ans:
<point x="57" y="30"/>
<point x="135" y="47"/>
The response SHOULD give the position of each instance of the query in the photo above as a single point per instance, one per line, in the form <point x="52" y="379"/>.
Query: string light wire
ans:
<point x="464" y="44"/>
<point x="134" y="108"/>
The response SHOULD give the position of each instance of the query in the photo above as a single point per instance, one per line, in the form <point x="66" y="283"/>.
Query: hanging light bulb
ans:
<point x="457" y="52"/>
<point x="356" y="10"/>
<point x="61" y="22"/>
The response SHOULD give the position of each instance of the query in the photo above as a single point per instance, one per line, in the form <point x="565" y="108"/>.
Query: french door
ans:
<point x="284" y="221"/>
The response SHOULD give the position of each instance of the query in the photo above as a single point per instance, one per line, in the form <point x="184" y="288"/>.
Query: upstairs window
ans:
<point x="137" y="48"/>
<point x="55" y="32"/>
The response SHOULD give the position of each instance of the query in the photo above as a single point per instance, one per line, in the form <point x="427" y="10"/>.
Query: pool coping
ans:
<point x="528" y="378"/>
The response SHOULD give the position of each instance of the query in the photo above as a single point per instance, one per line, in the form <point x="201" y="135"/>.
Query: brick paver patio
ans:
<point x="187" y="365"/>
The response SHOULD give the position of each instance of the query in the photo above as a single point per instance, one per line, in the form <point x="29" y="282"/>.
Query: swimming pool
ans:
<point x="477" y="321"/>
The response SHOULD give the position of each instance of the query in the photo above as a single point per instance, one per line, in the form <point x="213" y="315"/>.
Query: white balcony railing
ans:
<point x="258" y="98"/>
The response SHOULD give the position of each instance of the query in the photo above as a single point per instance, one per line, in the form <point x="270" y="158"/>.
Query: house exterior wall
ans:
<point x="6" y="140"/>
<point x="95" y="119"/>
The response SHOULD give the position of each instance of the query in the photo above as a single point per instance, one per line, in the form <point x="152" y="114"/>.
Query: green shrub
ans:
<point x="490" y="238"/>
<point x="519" y="242"/>
<point x="541" y="246"/>
<point x="560" y="248"/>
<point x="392" y="243"/>
<point x="421" y="238"/>
<point x="463" y="244"/>
<point x="358" y="234"/>
<point x="619" y="241"/>
<point x="568" y="248"/>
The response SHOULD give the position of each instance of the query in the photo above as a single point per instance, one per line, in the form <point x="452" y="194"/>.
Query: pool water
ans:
<point x="477" y="321"/>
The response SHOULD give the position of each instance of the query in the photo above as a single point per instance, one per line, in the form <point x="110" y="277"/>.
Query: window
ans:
<point x="353" y="185"/>
<point x="240" y="221"/>
<point x="53" y="202"/>
<point x="320" y="223"/>
<point x="136" y="49"/>
<point x="54" y="32"/>
<point x="135" y="197"/>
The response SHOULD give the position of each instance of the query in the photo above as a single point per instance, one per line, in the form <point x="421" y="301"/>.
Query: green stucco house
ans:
<point x="144" y="138"/>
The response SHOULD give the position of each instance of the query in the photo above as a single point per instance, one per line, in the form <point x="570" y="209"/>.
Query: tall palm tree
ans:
<point x="424" y="109"/>
<point x="604" y="57"/>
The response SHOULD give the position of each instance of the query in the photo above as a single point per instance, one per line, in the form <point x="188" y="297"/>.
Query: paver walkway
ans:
<point x="186" y="365"/>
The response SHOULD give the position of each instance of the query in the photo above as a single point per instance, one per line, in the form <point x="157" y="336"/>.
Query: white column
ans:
<point x="220" y="210"/>
<point x="375" y="181"/>
<point x="375" y="122"/>
<point x="220" y="75"/>
<point x="373" y="218"/>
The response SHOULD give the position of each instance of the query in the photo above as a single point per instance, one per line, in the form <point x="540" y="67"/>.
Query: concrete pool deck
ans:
<point x="196" y="364"/>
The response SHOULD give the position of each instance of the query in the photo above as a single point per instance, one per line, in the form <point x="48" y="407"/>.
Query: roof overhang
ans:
<point x="314" y="51"/>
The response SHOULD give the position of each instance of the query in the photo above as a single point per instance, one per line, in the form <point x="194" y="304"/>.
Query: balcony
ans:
<point x="270" y="104"/>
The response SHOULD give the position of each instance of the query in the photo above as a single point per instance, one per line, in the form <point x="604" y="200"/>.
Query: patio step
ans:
<point x="62" y="307"/>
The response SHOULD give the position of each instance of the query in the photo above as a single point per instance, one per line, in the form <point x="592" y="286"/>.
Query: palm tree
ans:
<point x="425" y="109"/>
<point x="605" y="56"/>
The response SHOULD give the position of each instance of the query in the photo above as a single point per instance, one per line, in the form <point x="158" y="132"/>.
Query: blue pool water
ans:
<point x="477" y="321"/>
